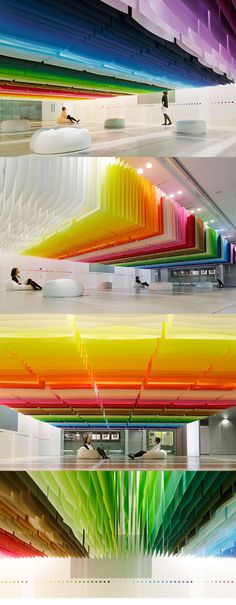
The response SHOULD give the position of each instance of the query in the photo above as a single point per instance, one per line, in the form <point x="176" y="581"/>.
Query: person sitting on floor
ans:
<point x="15" y="276"/>
<point x="88" y="446"/>
<point x="65" y="118"/>
<point x="156" y="448"/>
<point x="144" y="283"/>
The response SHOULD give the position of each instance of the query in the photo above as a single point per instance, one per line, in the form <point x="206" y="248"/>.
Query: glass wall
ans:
<point x="112" y="441"/>
<point x="14" y="110"/>
<point x="166" y="437"/>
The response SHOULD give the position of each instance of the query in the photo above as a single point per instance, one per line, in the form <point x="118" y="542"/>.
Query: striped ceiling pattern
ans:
<point x="101" y="211"/>
<point x="165" y="44"/>
<point x="117" y="513"/>
<point x="118" y="371"/>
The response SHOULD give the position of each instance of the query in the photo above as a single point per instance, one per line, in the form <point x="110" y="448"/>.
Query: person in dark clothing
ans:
<point x="88" y="445"/>
<point x="165" y="108"/>
<point x="68" y="117"/>
<point x="141" y="283"/>
<point x="156" y="447"/>
<point x="15" y="275"/>
<point x="221" y="285"/>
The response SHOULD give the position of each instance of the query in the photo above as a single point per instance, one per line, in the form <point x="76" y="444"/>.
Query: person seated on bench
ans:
<point x="88" y="446"/>
<point x="15" y="275"/>
<point x="64" y="118"/>
<point x="141" y="283"/>
<point x="156" y="448"/>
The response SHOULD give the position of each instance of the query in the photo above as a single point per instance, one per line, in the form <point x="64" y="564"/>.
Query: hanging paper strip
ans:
<point x="91" y="514"/>
<point x="101" y="211"/>
<point x="126" y="371"/>
<point x="152" y="46"/>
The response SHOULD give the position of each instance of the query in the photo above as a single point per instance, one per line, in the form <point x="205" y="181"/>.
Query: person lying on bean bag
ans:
<point x="65" y="118"/>
<point x="89" y="452"/>
<point x="154" y="453"/>
<point x="15" y="276"/>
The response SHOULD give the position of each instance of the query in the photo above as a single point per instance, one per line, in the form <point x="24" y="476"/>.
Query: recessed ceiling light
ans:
<point x="192" y="211"/>
<point x="148" y="165"/>
<point x="212" y="221"/>
<point x="199" y="209"/>
<point x="222" y="229"/>
<point x="172" y="195"/>
<point x="179" y="192"/>
<point x="140" y="171"/>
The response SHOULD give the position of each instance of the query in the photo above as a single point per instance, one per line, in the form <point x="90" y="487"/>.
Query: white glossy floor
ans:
<point x="138" y="140"/>
<point x="209" y="463"/>
<point x="122" y="301"/>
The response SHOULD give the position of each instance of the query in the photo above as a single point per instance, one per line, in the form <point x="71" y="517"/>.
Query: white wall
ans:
<point x="33" y="438"/>
<point x="193" y="439"/>
<point x="42" y="270"/>
<point x="215" y="104"/>
<point x="171" y="577"/>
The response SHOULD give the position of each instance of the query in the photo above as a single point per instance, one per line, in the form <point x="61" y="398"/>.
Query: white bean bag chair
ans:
<point x="138" y="286"/>
<point x="105" y="285"/>
<point x="161" y="286"/>
<point x="155" y="455"/>
<point x="114" y="123"/>
<point x="85" y="454"/>
<point x="12" y="286"/>
<point x="60" y="139"/>
<point x="15" y="125"/>
<point x="191" y="126"/>
<point x="62" y="288"/>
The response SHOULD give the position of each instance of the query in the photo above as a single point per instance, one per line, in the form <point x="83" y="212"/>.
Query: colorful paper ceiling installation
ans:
<point x="50" y="43"/>
<point x="125" y="371"/>
<point x="116" y="514"/>
<point x="100" y="210"/>
<point x="205" y="28"/>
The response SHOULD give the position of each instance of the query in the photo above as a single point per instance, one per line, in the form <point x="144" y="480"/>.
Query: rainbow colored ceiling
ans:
<point x="118" y="371"/>
<point x="101" y="211"/>
<point x="115" y="514"/>
<point x="132" y="47"/>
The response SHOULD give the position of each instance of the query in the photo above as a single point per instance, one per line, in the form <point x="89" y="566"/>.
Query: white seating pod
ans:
<point x="154" y="455"/>
<point x="84" y="454"/>
<point x="20" y="125"/>
<point x="190" y="127"/>
<point x="114" y="123"/>
<point x="105" y="285"/>
<point x="60" y="139"/>
<point x="12" y="286"/>
<point x="62" y="288"/>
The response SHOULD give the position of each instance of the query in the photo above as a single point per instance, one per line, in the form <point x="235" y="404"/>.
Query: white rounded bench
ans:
<point x="105" y="285"/>
<point x="12" y="286"/>
<point x="161" y="286"/>
<point x="15" y="125"/>
<point x="152" y="455"/>
<point x="190" y="126"/>
<point x="138" y="286"/>
<point x="62" y="288"/>
<point x="85" y="454"/>
<point x="114" y="123"/>
<point x="60" y="139"/>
